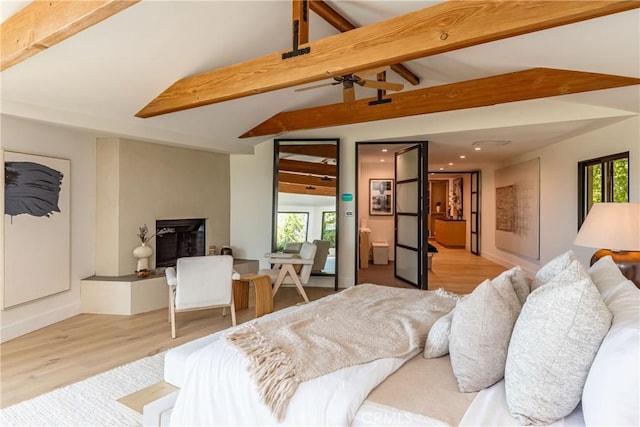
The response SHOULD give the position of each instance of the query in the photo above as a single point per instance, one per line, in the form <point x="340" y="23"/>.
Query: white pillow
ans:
<point x="480" y="331"/>
<point x="518" y="280"/>
<point x="606" y="275"/>
<point x="552" y="269"/>
<point x="611" y="394"/>
<point x="553" y="344"/>
<point x="437" y="344"/>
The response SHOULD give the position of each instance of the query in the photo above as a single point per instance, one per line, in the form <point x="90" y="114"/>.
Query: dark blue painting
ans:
<point x="31" y="188"/>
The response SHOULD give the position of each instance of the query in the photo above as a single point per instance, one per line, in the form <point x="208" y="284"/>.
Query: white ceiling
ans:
<point x="99" y="78"/>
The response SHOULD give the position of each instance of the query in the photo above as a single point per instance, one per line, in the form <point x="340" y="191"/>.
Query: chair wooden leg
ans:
<point x="296" y="280"/>
<point x="279" y="279"/>
<point x="233" y="313"/>
<point x="172" y="313"/>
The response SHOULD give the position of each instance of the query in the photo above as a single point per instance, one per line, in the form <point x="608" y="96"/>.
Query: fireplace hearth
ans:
<point x="185" y="238"/>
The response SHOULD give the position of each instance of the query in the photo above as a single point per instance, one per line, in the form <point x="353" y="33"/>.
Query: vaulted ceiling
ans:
<point x="101" y="77"/>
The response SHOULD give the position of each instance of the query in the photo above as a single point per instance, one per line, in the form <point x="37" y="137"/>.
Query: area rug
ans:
<point x="90" y="402"/>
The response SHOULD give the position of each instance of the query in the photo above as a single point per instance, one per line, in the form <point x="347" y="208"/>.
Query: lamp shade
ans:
<point x="614" y="226"/>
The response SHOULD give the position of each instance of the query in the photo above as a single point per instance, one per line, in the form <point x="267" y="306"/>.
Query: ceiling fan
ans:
<point x="349" y="80"/>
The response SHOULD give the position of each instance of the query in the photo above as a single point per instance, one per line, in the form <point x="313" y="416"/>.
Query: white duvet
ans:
<point x="219" y="391"/>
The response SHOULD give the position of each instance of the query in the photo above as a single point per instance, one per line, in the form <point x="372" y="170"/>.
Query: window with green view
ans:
<point x="292" y="228"/>
<point x="605" y="179"/>
<point x="329" y="227"/>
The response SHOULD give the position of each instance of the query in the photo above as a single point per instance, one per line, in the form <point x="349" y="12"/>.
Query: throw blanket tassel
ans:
<point x="273" y="371"/>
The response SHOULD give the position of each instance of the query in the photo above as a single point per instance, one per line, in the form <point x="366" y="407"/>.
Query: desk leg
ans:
<point x="264" y="297"/>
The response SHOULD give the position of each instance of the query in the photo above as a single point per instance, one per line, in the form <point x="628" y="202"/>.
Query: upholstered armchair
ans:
<point x="201" y="282"/>
<point x="322" y="252"/>
<point x="284" y="268"/>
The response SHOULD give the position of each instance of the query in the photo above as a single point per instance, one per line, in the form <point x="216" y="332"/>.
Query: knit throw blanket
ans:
<point x="356" y="326"/>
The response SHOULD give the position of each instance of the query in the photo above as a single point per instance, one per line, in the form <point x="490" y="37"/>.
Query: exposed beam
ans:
<point x="440" y="28"/>
<point x="306" y="167"/>
<point x="315" y="181"/>
<point x="301" y="16"/>
<point x="302" y="189"/>
<point x="328" y="151"/>
<point x="41" y="24"/>
<point x="522" y="85"/>
<point x="342" y="24"/>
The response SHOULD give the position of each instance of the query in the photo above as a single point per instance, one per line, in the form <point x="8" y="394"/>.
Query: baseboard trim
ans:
<point x="507" y="264"/>
<point x="41" y="320"/>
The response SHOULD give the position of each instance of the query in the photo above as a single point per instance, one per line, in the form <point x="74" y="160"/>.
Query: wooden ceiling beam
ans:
<point x="342" y="24"/>
<point x="437" y="29"/>
<point x="320" y="169"/>
<point x="308" y="189"/>
<point x="327" y="151"/>
<point x="42" y="24"/>
<point x="315" y="181"/>
<point x="518" y="86"/>
<point x="301" y="16"/>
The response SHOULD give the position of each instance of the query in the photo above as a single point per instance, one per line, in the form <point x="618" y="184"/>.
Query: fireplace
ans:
<point x="178" y="238"/>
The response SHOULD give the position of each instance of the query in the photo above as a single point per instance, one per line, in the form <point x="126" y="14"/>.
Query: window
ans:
<point x="292" y="228"/>
<point x="329" y="227"/>
<point x="605" y="179"/>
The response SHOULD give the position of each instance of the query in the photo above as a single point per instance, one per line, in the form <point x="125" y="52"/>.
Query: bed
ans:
<point x="217" y="387"/>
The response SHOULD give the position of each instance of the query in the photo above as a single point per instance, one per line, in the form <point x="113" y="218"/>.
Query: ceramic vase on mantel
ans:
<point x="143" y="252"/>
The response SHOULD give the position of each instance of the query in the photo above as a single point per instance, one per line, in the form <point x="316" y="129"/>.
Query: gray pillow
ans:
<point x="437" y="344"/>
<point x="480" y="331"/>
<point x="554" y="342"/>
<point x="552" y="269"/>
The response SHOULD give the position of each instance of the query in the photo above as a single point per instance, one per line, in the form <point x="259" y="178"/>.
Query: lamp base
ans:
<point x="627" y="261"/>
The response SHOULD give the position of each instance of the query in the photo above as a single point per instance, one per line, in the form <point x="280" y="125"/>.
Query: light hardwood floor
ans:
<point x="88" y="344"/>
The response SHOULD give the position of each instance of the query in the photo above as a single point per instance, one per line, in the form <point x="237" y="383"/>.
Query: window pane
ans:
<point x="329" y="228"/>
<point x="621" y="180"/>
<point x="292" y="228"/>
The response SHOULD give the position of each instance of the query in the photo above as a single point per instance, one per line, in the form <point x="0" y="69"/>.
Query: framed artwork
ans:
<point x="37" y="227"/>
<point x="381" y="197"/>
<point x="517" y="198"/>
<point x="456" y="199"/>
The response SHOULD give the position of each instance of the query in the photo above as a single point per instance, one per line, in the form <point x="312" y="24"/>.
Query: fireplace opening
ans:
<point x="178" y="238"/>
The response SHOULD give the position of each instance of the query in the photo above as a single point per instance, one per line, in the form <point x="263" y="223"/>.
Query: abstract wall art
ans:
<point x="518" y="209"/>
<point x="37" y="240"/>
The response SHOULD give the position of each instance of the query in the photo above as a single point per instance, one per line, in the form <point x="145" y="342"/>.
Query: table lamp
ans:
<point x="616" y="228"/>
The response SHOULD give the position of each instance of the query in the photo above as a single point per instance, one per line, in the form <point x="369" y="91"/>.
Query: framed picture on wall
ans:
<point x="381" y="197"/>
<point x="37" y="227"/>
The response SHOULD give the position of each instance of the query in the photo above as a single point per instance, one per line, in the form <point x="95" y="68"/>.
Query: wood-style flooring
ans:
<point x="456" y="270"/>
<point x="88" y="344"/>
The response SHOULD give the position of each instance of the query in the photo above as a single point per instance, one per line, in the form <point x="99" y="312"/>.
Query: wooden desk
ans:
<point x="262" y="292"/>
<point x="451" y="233"/>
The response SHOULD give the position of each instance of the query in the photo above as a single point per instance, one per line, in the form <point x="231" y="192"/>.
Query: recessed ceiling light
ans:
<point x="463" y="157"/>
<point x="382" y="160"/>
<point x="384" y="150"/>
<point x="441" y="169"/>
<point x="477" y="148"/>
<point x="450" y="164"/>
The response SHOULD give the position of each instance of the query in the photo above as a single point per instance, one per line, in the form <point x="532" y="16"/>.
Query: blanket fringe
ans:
<point x="272" y="370"/>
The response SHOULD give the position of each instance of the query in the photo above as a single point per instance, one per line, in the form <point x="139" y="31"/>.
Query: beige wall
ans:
<point x="78" y="146"/>
<point x="154" y="182"/>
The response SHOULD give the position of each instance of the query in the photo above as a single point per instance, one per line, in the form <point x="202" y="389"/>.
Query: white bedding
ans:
<point x="218" y="391"/>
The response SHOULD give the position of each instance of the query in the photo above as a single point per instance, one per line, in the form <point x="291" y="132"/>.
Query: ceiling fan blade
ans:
<point x="381" y="85"/>
<point x="370" y="72"/>
<point x="302" y="89"/>
<point x="348" y="94"/>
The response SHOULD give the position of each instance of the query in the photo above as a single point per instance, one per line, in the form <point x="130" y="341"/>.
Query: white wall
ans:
<point x="43" y="139"/>
<point x="559" y="191"/>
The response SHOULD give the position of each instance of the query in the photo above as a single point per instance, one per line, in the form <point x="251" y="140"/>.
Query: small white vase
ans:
<point x="143" y="252"/>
